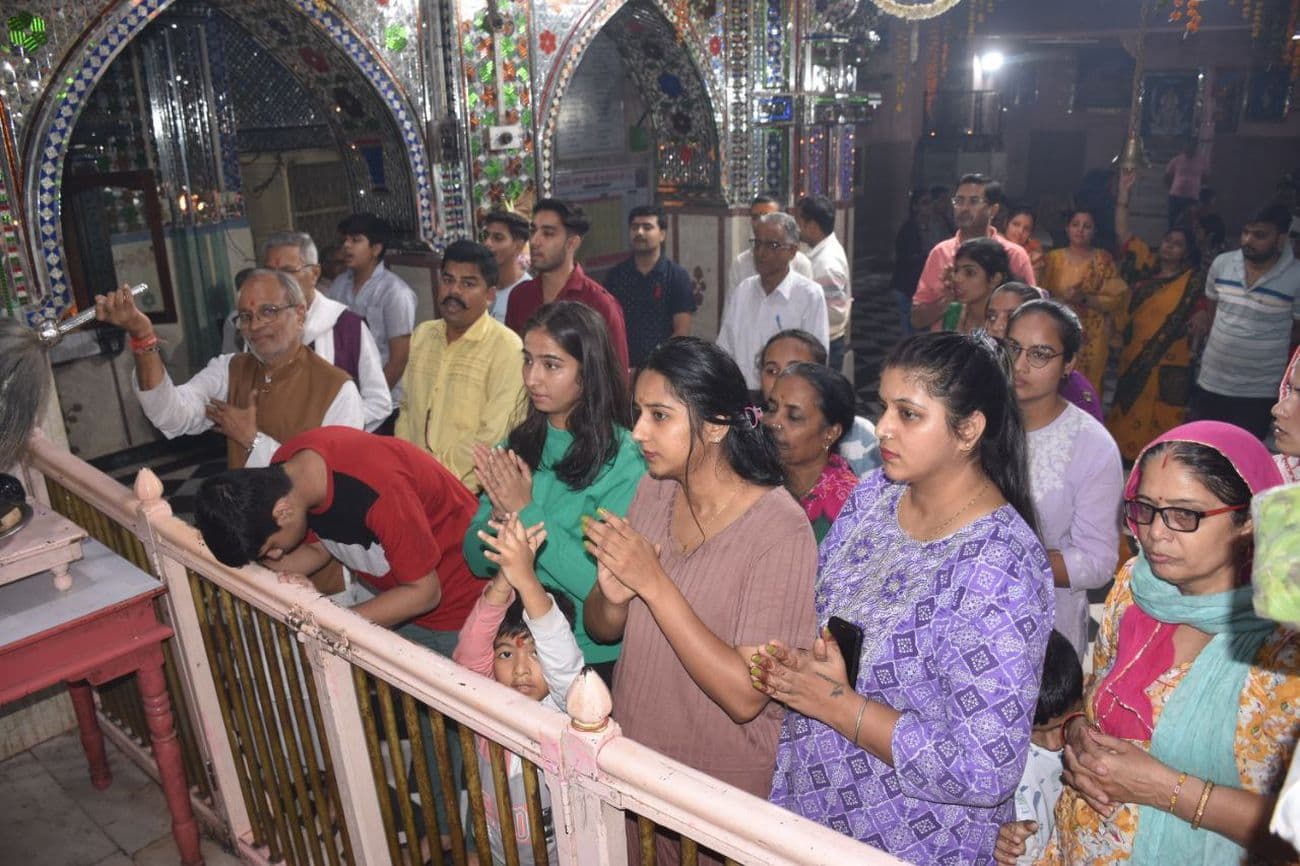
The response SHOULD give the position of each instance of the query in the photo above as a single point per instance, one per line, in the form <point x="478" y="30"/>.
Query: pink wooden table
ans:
<point x="101" y="628"/>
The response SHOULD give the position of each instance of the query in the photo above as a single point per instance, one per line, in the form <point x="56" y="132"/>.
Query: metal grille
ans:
<point x="413" y="747"/>
<point x="272" y="716"/>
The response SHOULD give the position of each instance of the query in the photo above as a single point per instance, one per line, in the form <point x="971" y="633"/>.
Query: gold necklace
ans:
<point x="705" y="525"/>
<point x="937" y="531"/>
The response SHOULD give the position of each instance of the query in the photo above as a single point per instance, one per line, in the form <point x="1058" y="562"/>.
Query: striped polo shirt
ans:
<point x="1246" y="353"/>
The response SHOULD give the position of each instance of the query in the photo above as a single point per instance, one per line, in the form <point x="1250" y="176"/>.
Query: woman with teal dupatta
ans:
<point x="1191" y="719"/>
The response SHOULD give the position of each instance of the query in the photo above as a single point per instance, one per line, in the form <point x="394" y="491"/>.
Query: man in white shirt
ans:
<point x="774" y="299"/>
<point x="742" y="267"/>
<point x="377" y="295"/>
<point x="830" y="269"/>
<point x="505" y="233"/>
<point x="277" y="389"/>
<point x="333" y="331"/>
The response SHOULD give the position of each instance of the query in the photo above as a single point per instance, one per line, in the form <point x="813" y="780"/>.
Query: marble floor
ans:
<point x="50" y="815"/>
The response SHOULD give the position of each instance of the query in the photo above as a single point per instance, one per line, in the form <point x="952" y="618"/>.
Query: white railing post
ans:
<point x="345" y="736"/>
<point x="591" y="828"/>
<point x="188" y="650"/>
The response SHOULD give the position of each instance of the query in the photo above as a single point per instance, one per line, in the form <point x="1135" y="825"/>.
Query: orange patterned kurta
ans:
<point x="1268" y="723"/>
<point x="1103" y="318"/>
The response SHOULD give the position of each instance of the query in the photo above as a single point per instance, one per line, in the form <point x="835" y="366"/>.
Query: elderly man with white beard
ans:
<point x="257" y="399"/>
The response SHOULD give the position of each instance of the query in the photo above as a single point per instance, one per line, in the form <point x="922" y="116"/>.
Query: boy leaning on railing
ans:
<point x="527" y="644"/>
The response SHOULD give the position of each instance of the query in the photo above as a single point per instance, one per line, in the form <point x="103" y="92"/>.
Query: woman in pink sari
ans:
<point x="1286" y="422"/>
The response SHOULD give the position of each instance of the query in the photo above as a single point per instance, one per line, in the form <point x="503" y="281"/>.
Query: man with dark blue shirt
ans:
<point x="655" y="293"/>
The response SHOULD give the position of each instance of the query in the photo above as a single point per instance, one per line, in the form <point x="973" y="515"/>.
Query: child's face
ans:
<point x="515" y="664"/>
<point x="1051" y="734"/>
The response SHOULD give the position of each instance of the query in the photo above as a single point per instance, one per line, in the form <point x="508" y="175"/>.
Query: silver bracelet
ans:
<point x="857" y="726"/>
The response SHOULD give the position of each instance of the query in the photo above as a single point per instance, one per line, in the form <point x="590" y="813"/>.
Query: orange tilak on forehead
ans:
<point x="520" y="640"/>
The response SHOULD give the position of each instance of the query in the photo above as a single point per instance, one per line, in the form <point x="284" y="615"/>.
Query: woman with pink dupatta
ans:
<point x="1190" y="720"/>
<point x="1286" y="422"/>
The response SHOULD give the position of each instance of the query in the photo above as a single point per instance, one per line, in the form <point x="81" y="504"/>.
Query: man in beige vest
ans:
<point x="257" y="399"/>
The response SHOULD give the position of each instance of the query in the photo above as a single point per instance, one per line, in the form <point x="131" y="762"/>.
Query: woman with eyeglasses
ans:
<point x="1075" y="475"/>
<point x="1005" y="300"/>
<point x="1190" y="720"/>
<point x="1086" y="278"/>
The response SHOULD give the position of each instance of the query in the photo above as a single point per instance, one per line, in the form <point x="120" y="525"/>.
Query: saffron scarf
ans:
<point x="1196" y="731"/>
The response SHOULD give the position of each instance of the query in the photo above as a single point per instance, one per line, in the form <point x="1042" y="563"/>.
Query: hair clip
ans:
<point x="754" y="415"/>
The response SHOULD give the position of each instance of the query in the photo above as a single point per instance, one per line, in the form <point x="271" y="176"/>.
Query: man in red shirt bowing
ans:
<point x="381" y="506"/>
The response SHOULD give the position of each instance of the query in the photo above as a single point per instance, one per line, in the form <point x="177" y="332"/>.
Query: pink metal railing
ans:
<point x="596" y="777"/>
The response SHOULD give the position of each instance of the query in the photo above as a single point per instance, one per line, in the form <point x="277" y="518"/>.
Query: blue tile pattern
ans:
<point x="108" y="38"/>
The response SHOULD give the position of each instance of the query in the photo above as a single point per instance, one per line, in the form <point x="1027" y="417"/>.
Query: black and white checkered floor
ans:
<point x="181" y="465"/>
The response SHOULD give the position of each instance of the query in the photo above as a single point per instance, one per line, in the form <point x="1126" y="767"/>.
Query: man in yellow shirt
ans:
<point x="464" y="379"/>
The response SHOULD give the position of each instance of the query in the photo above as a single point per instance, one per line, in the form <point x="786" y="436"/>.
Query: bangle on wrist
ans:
<point x="1200" y="806"/>
<point x="1173" y="798"/>
<point x="857" y="726"/>
<point x="1065" y="725"/>
<point x="252" y="443"/>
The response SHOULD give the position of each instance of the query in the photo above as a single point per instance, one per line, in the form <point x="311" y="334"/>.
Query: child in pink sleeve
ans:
<point x="525" y="643"/>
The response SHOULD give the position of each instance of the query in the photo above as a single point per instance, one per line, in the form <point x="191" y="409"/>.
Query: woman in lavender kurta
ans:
<point x="1075" y="474"/>
<point x="921" y="755"/>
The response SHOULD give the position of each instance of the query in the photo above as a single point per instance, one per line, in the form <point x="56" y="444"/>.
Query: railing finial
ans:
<point x="148" y="487"/>
<point x="589" y="702"/>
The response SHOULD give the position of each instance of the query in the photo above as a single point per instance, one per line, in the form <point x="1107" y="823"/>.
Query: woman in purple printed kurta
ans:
<point x="922" y="757"/>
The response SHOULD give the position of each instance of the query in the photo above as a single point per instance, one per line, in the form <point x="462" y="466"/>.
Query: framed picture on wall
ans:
<point x="1228" y="96"/>
<point x="1268" y="94"/>
<point x="1169" y="104"/>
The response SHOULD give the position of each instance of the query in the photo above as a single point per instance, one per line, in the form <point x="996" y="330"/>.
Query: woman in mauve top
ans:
<point x="714" y="557"/>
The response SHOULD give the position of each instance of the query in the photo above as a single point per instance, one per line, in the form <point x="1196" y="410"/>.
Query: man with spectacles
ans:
<point x="332" y="331"/>
<point x="974" y="205"/>
<point x="774" y="299"/>
<point x="505" y="233"/>
<point x="742" y="267"/>
<point x="257" y="399"/>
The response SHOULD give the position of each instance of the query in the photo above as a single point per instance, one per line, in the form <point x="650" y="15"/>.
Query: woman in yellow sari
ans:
<point x="1087" y="279"/>
<point x="1155" y="365"/>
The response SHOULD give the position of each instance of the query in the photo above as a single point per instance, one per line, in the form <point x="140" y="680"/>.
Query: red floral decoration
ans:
<point x="715" y="46"/>
<point x="547" y="42"/>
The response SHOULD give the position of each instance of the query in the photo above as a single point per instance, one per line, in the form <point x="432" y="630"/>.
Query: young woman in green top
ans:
<point x="573" y="454"/>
